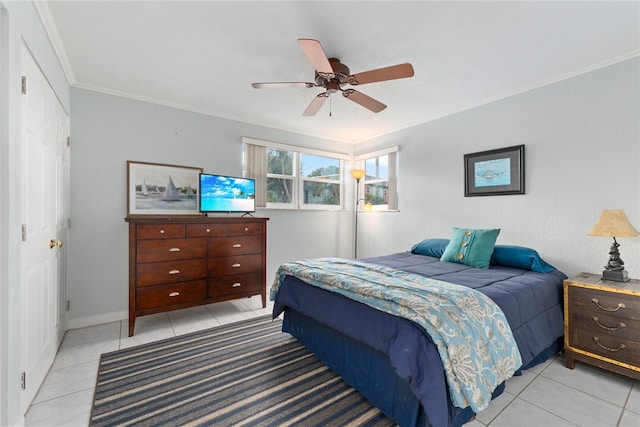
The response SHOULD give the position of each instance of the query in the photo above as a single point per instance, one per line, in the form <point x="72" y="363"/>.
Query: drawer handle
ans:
<point x="602" y="307"/>
<point x="236" y="285"/>
<point x="237" y="245"/>
<point x="208" y="230"/>
<point x="161" y="231"/>
<point x="174" y="294"/>
<point x="174" y="250"/>
<point x="174" y="272"/>
<point x="608" y="328"/>
<point x="246" y="229"/>
<point x="236" y="265"/>
<point x="604" y="347"/>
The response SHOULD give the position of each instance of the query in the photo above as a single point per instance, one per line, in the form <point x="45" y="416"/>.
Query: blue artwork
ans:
<point x="491" y="173"/>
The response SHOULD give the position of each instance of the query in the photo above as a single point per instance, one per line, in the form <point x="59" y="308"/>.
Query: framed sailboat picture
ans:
<point x="159" y="189"/>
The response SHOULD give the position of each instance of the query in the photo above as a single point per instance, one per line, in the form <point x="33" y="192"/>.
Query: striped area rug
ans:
<point x="247" y="373"/>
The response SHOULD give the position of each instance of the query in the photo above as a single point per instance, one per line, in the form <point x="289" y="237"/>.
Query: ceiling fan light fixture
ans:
<point x="331" y="74"/>
<point x="333" y="86"/>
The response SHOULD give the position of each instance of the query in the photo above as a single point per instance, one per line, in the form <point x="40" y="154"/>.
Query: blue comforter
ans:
<point x="470" y="331"/>
<point x="531" y="302"/>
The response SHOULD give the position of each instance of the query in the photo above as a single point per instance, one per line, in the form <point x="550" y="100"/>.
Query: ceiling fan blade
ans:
<point x="364" y="100"/>
<point x="269" y="85"/>
<point x="393" y="72"/>
<point x="316" y="56"/>
<point x="315" y="105"/>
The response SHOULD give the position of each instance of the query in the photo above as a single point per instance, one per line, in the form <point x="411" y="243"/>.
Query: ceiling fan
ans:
<point x="332" y="75"/>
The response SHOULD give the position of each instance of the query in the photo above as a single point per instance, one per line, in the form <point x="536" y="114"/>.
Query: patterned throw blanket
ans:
<point x="472" y="335"/>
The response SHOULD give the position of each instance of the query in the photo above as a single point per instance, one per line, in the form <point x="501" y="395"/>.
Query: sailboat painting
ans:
<point x="160" y="189"/>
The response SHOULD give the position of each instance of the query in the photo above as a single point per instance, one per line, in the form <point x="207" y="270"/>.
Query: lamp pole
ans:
<point x="357" y="174"/>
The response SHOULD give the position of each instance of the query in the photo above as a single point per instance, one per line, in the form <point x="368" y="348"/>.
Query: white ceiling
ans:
<point x="203" y="56"/>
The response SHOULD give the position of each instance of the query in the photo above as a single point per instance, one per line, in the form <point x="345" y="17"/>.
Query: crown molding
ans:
<point x="44" y="13"/>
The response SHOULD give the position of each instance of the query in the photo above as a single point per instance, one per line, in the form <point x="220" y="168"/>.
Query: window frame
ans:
<point x="298" y="180"/>
<point x="392" y="181"/>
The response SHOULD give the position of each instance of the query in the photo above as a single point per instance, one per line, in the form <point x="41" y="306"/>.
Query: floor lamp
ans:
<point x="358" y="174"/>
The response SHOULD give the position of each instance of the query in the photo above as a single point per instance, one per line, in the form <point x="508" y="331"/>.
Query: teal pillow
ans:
<point x="430" y="247"/>
<point x="472" y="247"/>
<point x="520" y="257"/>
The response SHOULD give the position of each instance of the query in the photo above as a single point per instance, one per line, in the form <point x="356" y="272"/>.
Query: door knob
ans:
<point x="55" y="243"/>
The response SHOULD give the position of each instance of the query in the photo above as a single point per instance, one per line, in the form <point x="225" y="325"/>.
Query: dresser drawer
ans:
<point x="235" y="284"/>
<point x="245" y="229"/>
<point x="171" y="294"/>
<point x="160" y="231"/>
<point x="206" y="230"/>
<point x="613" y="303"/>
<point x="236" y="245"/>
<point x="225" y="266"/>
<point x="156" y="273"/>
<point x="170" y="249"/>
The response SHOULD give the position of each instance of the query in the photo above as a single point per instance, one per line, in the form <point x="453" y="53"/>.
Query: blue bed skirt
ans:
<point x="367" y="370"/>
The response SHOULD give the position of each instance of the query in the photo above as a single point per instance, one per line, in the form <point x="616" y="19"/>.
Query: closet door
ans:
<point x="44" y="175"/>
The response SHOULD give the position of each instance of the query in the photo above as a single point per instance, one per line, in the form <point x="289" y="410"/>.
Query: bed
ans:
<point x="393" y="360"/>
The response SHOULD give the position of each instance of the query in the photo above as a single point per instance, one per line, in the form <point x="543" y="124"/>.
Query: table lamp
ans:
<point x="614" y="223"/>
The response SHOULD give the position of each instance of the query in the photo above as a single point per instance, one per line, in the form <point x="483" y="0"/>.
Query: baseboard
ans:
<point x="83" y="322"/>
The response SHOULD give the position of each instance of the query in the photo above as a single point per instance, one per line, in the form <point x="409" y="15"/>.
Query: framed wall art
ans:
<point x="159" y="189"/>
<point x="494" y="172"/>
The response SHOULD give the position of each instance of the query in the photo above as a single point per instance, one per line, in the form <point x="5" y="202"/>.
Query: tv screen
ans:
<point x="219" y="193"/>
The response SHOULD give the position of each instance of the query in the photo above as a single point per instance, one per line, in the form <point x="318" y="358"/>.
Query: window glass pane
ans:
<point x="377" y="168"/>
<point x="321" y="193"/>
<point x="279" y="162"/>
<point x="279" y="190"/>
<point x="377" y="194"/>
<point x="320" y="167"/>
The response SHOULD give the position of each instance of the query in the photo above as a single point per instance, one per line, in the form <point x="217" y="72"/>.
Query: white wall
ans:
<point x="582" y="151"/>
<point x="109" y="130"/>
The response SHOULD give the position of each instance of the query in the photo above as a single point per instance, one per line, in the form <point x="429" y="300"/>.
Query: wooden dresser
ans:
<point x="602" y="323"/>
<point x="179" y="262"/>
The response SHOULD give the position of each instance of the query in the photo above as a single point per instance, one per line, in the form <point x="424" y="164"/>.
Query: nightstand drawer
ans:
<point x="620" y="304"/>
<point x="605" y="324"/>
<point x="607" y="345"/>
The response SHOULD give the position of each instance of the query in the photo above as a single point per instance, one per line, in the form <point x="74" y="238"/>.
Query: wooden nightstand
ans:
<point x="602" y="324"/>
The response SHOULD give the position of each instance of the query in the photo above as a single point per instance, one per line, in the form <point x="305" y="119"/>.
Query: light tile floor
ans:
<point x="547" y="395"/>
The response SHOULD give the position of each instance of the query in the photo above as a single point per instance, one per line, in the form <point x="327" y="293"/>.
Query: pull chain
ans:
<point x="330" y="105"/>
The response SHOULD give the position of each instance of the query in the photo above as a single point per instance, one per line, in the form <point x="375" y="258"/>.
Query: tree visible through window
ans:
<point x="320" y="180"/>
<point x="280" y="177"/>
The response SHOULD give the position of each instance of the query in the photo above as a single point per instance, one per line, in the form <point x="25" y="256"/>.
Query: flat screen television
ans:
<point x="220" y="193"/>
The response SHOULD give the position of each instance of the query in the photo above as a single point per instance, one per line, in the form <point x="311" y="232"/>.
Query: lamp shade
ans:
<point x="357" y="173"/>
<point x="613" y="223"/>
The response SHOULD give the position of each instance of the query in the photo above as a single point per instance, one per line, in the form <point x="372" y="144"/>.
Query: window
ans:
<point x="280" y="176"/>
<point x="379" y="184"/>
<point x="321" y="181"/>
<point x="294" y="177"/>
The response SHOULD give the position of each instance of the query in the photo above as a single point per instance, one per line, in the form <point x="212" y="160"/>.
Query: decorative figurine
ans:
<point x="615" y="262"/>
